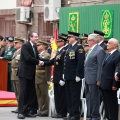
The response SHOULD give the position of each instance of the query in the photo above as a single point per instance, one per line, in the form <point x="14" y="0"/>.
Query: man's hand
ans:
<point x="98" y="83"/>
<point x="116" y="77"/>
<point x="41" y="63"/>
<point x="62" y="83"/>
<point x="114" y="88"/>
<point x="77" y="79"/>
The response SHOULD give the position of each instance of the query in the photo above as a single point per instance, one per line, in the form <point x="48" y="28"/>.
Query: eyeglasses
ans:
<point x="89" y="40"/>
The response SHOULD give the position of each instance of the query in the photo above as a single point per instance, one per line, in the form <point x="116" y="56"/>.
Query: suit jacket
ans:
<point x="103" y="45"/>
<point x="43" y="77"/>
<point x="108" y="71"/>
<point x="14" y="64"/>
<point x="58" y="63"/>
<point x="93" y="65"/>
<point x="28" y="61"/>
<point x="74" y="62"/>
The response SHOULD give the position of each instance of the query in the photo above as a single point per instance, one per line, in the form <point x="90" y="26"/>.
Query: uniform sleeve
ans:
<point x="80" y="54"/>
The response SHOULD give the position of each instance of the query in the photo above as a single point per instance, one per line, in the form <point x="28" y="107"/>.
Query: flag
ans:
<point x="53" y="43"/>
<point x="54" y="47"/>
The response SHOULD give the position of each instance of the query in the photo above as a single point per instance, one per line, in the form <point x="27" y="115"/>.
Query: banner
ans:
<point x="73" y="22"/>
<point x="107" y="23"/>
<point x="26" y="3"/>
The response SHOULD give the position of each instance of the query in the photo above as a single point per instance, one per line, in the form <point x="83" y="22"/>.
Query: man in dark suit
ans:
<point x="73" y="72"/>
<point x="27" y="104"/>
<point x="101" y="39"/>
<point x="93" y="63"/>
<point x="59" y="87"/>
<point x="108" y="85"/>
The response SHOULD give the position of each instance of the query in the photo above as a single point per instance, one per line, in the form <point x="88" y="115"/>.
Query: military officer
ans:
<point x="9" y="51"/>
<point x="14" y="65"/>
<point x="59" y="84"/>
<point x="101" y="41"/>
<point x="83" y="39"/>
<point x="42" y="76"/>
<point x="73" y="72"/>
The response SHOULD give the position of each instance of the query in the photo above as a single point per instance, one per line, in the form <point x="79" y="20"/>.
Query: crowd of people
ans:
<point x="87" y="58"/>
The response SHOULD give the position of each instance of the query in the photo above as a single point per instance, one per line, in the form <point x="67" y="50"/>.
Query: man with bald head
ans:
<point x="108" y="85"/>
<point x="93" y="63"/>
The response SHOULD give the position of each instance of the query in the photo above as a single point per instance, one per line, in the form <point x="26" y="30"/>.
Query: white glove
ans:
<point x="77" y="79"/>
<point x="62" y="83"/>
<point x="41" y="63"/>
<point x="63" y="76"/>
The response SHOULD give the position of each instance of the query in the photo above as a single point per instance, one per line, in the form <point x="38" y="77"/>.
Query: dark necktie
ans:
<point x="107" y="56"/>
<point x="34" y="51"/>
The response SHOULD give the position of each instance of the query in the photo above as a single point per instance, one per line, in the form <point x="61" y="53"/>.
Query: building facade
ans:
<point x="9" y="26"/>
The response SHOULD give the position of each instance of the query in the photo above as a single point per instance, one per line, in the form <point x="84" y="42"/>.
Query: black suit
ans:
<point x="107" y="82"/>
<point x="103" y="45"/>
<point x="59" y="91"/>
<point x="26" y="74"/>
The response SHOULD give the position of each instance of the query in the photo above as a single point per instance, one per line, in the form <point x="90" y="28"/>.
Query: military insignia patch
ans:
<point x="79" y="44"/>
<point x="72" y="54"/>
<point x="80" y="50"/>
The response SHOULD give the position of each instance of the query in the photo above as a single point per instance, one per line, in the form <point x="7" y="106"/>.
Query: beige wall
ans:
<point x="87" y="2"/>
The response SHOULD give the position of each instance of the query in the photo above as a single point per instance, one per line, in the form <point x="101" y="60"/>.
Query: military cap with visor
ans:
<point x="18" y="40"/>
<point x="99" y="32"/>
<point x="41" y="42"/>
<point x="61" y="39"/>
<point x="10" y="39"/>
<point x="73" y="34"/>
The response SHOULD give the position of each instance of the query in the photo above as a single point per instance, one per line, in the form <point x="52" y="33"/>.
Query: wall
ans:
<point x="7" y="4"/>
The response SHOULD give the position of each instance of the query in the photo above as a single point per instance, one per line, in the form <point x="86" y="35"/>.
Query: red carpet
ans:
<point x="7" y="99"/>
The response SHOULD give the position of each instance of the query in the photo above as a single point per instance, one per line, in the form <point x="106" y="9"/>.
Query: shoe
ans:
<point x="43" y="115"/>
<point x="30" y="115"/>
<point x="15" y="111"/>
<point x="21" y="116"/>
<point x="57" y="116"/>
<point x="66" y="118"/>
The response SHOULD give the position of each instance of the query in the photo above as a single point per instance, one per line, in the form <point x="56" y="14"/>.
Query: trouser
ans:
<point x="110" y="103"/>
<point x="27" y="96"/>
<point x="73" y="97"/>
<point x="60" y="99"/>
<point x="42" y="97"/>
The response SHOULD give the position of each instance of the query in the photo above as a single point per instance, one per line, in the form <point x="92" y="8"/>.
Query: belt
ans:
<point x="14" y="69"/>
<point x="9" y="61"/>
<point x="40" y="70"/>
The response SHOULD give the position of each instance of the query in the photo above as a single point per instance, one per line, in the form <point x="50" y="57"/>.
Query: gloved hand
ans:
<point x="62" y="83"/>
<point x="41" y="63"/>
<point x="77" y="79"/>
<point x="63" y="76"/>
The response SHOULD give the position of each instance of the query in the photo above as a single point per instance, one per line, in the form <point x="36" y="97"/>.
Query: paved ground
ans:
<point x="5" y="114"/>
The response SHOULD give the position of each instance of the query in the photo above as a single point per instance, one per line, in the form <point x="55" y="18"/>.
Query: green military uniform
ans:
<point x="8" y="56"/>
<point x="42" y="76"/>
